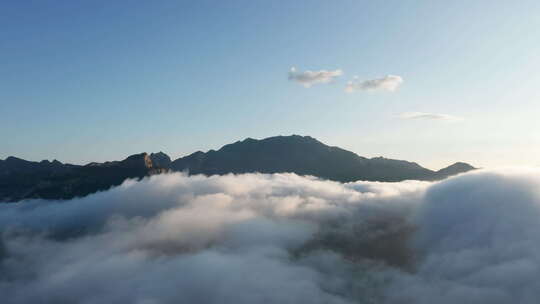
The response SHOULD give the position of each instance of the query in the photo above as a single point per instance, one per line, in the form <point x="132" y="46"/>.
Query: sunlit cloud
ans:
<point x="310" y="78"/>
<point x="388" y="83"/>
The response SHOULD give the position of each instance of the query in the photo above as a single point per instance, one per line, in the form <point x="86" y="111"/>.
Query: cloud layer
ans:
<point x="279" y="238"/>
<point x="431" y="116"/>
<point x="388" y="83"/>
<point x="310" y="78"/>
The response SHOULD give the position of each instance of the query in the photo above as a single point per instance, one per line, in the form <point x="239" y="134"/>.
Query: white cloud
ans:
<point x="240" y="238"/>
<point x="310" y="78"/>
<point x="433" y="116"/>
<point x="387" y="83"/>
<point x="479" y="242"/>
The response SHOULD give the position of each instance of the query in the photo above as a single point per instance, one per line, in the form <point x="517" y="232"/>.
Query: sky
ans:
<point x="428" y="81"/>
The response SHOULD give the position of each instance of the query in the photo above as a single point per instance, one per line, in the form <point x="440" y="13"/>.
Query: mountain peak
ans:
<point x="13" y="159"/>
<point x="160" y="160"/>
<point x="293" y="137"/>
<point x="455" y="168"/>
<point x="460" y="166"/>
<point x="278" y="138"/>
<point x="303" y="155"/>
<point x="141" y="160"/>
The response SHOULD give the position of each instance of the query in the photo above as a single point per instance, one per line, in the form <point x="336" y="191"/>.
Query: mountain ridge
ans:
<point x="348" y="166"/>
<point x="304" y="155"/>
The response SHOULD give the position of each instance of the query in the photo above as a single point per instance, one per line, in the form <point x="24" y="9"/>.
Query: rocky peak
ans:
<point x="160" y="160"/>
<point x="455" y="168"/>
<point x="137" y="161"/>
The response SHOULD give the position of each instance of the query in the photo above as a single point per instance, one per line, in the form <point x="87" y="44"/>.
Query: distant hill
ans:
<point x="21" y="179"/>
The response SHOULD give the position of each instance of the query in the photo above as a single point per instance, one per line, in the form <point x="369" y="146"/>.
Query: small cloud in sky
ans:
<point x="388" y="83"/>
<point x="309" y="78"/>
<point x="431" y="116"/>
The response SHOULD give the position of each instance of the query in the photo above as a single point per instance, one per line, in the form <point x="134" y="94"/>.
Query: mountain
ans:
<point x="14" y="164"/>
<point x="21" y="179"/>
<point x="454" y="169"/>
<point x="303" y="155"/>
<point x="160" y="160"/>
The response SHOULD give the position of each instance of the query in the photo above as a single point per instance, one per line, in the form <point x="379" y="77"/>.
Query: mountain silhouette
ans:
<point x="304" y="155"/>
<point x="21" y="179"/>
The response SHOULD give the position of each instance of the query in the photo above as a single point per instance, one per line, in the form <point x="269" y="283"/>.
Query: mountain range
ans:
<point x="304" y="155"/>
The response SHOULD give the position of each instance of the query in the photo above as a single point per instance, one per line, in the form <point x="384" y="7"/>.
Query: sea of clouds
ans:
<point x="279" y="238"/>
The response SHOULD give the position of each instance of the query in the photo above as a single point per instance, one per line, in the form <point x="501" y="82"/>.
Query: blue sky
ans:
<point x="85" y="81"/>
